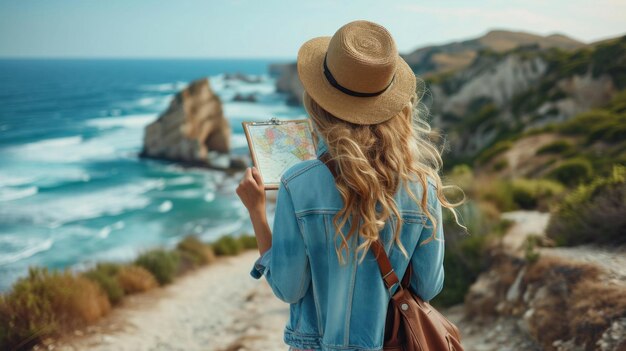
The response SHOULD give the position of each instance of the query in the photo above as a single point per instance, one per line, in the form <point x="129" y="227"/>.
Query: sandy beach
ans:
<point x="219" y="307"/>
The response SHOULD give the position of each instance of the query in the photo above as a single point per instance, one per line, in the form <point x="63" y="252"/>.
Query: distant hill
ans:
<point x="506" y="93"/>
<point x="460" y="54"/>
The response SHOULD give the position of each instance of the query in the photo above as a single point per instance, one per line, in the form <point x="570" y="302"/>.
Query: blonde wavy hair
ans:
<point x="373" y="161"/>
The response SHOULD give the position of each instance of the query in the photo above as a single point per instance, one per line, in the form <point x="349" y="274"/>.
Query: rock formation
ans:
<point x="288" y="82"/>
<point x="191" y="130"/>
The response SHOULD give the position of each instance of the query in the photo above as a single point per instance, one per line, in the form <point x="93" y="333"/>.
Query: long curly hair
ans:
<point x="373" y="161"/>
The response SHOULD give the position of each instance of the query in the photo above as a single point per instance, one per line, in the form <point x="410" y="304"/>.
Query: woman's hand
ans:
<point x="251" y="191"/>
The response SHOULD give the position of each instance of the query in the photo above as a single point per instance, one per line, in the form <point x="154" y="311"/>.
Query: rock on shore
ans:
<point x="288" y="82"/>
<point x="193" y="130"/>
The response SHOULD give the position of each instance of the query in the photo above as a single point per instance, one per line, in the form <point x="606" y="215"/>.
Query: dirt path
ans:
<point x="611" y="259"/>
<point x="206" y="310"/>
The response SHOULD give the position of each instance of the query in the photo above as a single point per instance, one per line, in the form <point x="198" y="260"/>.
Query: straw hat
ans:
<point x="357" y="74"/>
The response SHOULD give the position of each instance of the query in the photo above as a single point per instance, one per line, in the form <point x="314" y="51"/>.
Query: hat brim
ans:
<point x="358" y="110"/>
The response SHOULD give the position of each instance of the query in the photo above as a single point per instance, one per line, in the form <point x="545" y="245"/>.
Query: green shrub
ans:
<point x="573" y="171"/>
<point x="530" y="193"/>
<point x="227" y="246"/>
<point x="487" y="111"/>
<point x="161" y="263"/>
<point x="582" y="123"/>
<point x="200" y="252"/>
<point x="499" y="193"/>
<point x="134" y="279"/>
<point x="531" y="254"/>
<point x="489" y="153"/>
<point x="248" y="241"/>
<point x="592" y="213"/>
<point x="105" y="275"/>
<point x="611" y="131"/>
<point x="465" y="255"/>
<point x="510" y="195"/>
<point x="555" y="147"/>
<point x="500" y="165"/>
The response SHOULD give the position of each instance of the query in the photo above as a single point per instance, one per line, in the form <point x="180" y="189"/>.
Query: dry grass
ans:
<point x="570" y="301"/>
<point x="554" y="269"/>
<point x="135" y="279"/>
<point x="594" y="306"/>
<point x="48" y="303"/>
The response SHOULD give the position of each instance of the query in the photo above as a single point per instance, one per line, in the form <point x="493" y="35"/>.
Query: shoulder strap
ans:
<point x="386" y="270"/>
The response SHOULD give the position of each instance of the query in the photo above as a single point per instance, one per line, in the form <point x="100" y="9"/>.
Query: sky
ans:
<point x="276" y="29"/>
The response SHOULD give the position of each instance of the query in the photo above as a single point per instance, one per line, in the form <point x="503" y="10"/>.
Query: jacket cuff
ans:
<point x="261" y="264"/>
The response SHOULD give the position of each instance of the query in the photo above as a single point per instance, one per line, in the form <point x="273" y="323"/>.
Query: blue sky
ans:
<point x="271" y="28"/>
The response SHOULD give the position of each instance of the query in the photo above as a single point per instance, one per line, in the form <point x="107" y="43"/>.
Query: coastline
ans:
<point x="215" y="307"/>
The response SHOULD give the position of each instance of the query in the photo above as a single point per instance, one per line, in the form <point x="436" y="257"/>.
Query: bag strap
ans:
<point x="387" y="272"/>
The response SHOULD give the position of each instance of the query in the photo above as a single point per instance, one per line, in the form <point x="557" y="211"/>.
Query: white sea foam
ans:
<point x="183" y="194"/>
<point x="10" y="194"/>
<point x="130" y="121"/>
<point x="124" y="136"/>
<point x="15" y="180"/>
<point x="57" y="211"/>
<point x="176" y="86"/>
<point x="117" y="254"/>
<point x="60" y="150"/>
<point x="25" y="247"/>
<point x="238" y="140"/>
<point x="258" y="112"/>
<point x="166" y="206"/>
<point x="104" y="232"/>
<point x="184" y="180"/>
<point x="209" y="197"/>
<point x="215" y="232"/>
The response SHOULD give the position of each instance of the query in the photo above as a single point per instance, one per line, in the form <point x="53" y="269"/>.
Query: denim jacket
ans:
<point x="335" y="306"/>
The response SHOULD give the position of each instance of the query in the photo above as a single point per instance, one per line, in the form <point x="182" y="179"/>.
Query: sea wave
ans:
<point x="166" y="206"/>
<point x="129" y="121"/>
<point x="15" y="180"/>
<point x="22" y="247"/>
<point x="174" y="87"/>
<point x="184" y="180"/>
<point x="104" y="232"/>
<point x="81" y="206"/>
<point x="43" y="178"/>
<point x="256" y="112"/>
<point x="61" y="150"/>
<point x="10" y="194"/>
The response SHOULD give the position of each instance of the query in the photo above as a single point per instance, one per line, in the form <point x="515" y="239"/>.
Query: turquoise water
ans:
<point x="72" y="189"/>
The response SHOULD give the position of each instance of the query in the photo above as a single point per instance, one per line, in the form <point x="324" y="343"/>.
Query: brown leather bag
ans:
<point x="412" y="324"/>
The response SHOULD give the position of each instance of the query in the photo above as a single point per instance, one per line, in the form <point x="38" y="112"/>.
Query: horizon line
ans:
<point x="283" y="58"/>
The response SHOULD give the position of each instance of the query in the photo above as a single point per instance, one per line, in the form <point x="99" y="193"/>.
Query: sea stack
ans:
<point x="193" y="130"/>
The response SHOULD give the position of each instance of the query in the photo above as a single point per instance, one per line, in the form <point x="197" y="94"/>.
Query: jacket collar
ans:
<point x="321" y="146"/>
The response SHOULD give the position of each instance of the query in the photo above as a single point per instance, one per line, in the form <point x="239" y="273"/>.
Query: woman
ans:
<point x="361" y="97"/>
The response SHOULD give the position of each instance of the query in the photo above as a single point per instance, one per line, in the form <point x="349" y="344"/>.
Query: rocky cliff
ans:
<point x="287" y="82"/>
<point x="460" y="54"/>
<point x="193" y="130"/>
<point x="439" y="59"/>
<point x="501" y="94"/>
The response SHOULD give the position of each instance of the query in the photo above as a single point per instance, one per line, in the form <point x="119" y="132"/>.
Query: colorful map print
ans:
<point x="279" y="146"/>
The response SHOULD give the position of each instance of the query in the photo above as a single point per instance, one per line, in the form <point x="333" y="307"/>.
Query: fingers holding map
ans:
<point x="276" y="145"/>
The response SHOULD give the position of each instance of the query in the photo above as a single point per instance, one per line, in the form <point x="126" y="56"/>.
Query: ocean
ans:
<point x="72" y="188"/>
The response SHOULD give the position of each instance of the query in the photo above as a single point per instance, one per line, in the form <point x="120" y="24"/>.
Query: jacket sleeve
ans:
<point x="427" y="260"/>
<point x="286" y="264"/>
